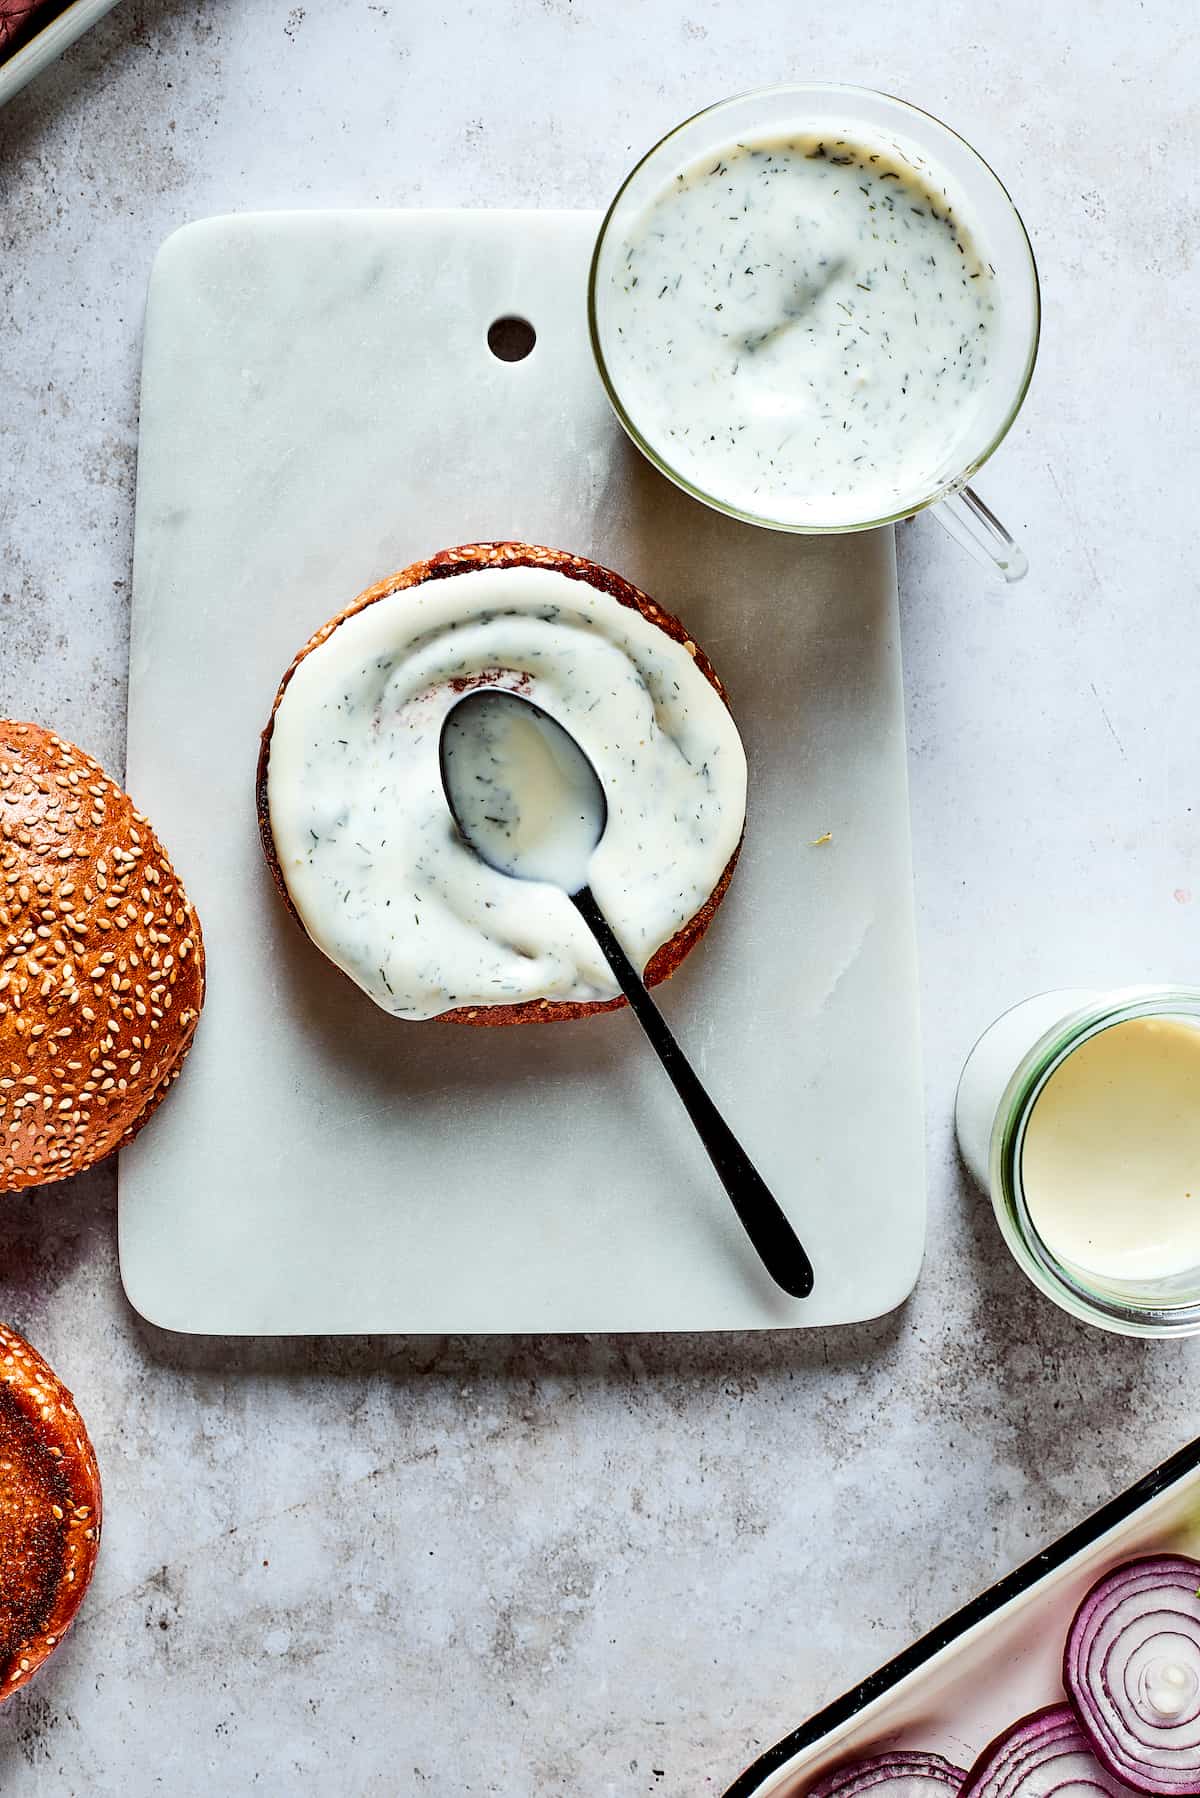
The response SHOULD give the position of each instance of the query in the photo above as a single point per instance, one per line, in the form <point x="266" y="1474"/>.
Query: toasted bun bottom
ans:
<point x="444" y="566"/>
<point x="50" y="1511"/>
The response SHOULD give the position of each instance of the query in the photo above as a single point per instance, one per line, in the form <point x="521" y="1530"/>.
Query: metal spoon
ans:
<point x="528" y="801"/>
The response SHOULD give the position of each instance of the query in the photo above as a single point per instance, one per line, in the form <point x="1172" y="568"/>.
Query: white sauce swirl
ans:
<point x="361" y="828"/>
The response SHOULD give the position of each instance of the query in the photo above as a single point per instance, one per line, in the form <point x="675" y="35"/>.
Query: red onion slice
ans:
<point x="1132" y="1672"/>
<point x="905" y="1775"/>
<point x="1046" y="1755"/>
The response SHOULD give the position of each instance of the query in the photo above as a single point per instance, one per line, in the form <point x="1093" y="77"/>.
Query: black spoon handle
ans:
<point x="762" y="1219"/>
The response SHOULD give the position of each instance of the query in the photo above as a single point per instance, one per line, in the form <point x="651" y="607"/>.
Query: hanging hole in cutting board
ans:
<point x="510" y="339"/>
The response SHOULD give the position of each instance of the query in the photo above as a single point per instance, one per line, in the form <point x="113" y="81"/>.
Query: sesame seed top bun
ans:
<point x="50" y="1511"/>
<point x="101" y="962"/>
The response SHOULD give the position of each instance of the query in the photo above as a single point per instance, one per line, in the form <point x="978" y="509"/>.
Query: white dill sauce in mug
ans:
<point x="799" y="326"/>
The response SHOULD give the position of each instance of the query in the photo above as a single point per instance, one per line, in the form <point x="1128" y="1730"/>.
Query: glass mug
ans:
<point x="943" y="158"/>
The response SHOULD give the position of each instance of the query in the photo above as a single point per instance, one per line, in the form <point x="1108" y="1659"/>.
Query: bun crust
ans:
<point x="443" y="566"/>
<point x="101" y="962"/>
<point x="50" y="1511"/>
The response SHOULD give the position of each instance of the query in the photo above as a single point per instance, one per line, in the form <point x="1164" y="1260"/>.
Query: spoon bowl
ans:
<point x="520" y="789"/>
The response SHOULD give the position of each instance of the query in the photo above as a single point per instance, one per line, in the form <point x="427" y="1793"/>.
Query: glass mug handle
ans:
<point x="976" y="527"/>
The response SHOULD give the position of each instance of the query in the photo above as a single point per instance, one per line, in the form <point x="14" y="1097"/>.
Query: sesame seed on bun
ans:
<point x="101" y="962"/>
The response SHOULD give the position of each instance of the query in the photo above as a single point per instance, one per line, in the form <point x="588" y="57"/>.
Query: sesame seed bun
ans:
<point x="101" y="962"/>
<point x="50" y="1511"/>
<point x="443" y="566"/>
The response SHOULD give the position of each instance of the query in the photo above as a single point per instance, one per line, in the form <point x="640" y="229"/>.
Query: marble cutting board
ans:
<point x="319" y="407"/>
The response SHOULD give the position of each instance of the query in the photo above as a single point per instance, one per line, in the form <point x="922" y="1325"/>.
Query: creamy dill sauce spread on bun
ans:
<point x="363" y="837"/>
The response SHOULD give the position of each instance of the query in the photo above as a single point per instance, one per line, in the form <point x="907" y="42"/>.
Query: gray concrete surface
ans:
<point x="610" y="1567"/>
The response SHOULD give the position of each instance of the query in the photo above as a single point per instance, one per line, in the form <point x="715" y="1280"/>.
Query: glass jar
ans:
<point x="1004" y="1076"/>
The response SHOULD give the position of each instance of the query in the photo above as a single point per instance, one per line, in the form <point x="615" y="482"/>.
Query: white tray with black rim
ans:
<point x="997" y="1659"/>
